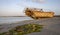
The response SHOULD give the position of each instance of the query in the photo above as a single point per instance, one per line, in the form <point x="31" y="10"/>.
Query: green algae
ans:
<point x="24" y="29"/>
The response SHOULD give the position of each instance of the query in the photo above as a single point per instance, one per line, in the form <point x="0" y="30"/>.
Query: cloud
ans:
<point x="25" y="3"/>
<point x="30" y="3"/>
<point x="38" y="1"/>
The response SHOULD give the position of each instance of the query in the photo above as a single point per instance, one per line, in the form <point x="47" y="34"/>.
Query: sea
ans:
<point x="13" y="19"/>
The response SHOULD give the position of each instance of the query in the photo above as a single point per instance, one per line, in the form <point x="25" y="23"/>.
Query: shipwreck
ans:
<point x="38" y="13"/>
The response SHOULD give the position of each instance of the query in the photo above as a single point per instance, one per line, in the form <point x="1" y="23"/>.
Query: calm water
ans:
<point x="13" y="19"/>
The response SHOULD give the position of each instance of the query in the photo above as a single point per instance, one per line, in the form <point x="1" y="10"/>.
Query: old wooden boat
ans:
<point x="38" y="13"/>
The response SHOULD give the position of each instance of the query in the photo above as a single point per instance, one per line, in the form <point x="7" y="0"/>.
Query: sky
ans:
<point x="16" y="7"/>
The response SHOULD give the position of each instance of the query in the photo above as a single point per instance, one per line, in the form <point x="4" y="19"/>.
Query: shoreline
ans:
<point x="51" y="25"/>
<point x="26" y="16"/>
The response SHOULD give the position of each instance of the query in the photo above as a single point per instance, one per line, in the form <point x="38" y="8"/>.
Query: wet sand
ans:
<point x="51" y="26"/>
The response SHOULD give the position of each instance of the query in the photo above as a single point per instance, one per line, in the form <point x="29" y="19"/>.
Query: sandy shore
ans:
<point x="51" y="26"/>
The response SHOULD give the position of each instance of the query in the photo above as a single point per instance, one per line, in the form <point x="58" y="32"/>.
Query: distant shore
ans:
<point x="57" y="16"/>
<point x="26" y="16"/>
<point x="13" y="16"/>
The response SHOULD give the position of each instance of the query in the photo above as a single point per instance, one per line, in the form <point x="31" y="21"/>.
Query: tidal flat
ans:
<point x="51" y="26"/>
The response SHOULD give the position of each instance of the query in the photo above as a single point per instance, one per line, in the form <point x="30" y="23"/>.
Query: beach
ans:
<point x="51" y="26"/>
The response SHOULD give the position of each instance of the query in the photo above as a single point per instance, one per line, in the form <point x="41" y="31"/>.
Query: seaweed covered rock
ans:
<point x="24" y="29"/>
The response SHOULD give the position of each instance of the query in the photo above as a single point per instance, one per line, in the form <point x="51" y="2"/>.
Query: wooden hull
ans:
<point x="43" y="14"/>
<point x="37" y="15"/>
